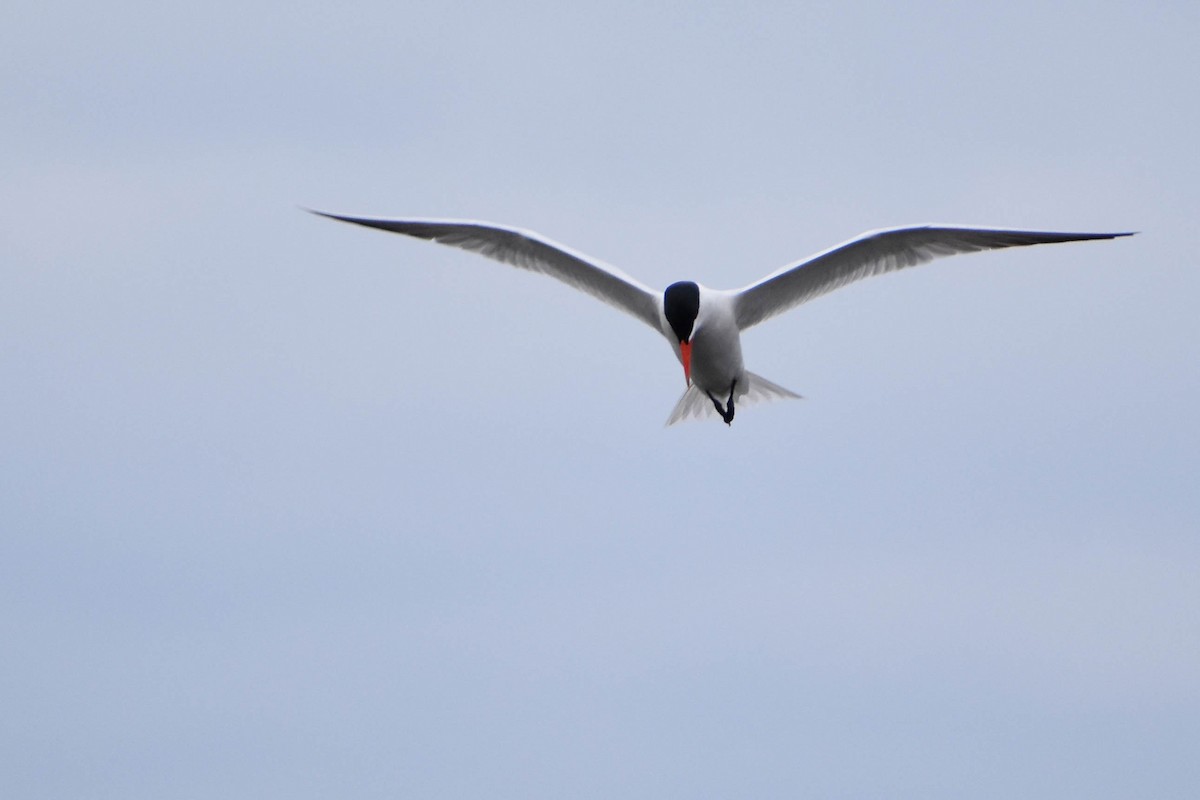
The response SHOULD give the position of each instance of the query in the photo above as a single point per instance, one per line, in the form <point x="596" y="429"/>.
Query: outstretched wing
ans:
<point x="529" y="251"/>
<point x="875" y="253"/>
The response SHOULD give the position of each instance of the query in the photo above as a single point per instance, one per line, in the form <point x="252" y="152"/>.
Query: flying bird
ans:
<point x="703" y="325"/>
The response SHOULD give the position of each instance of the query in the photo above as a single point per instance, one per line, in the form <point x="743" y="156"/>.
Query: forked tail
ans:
<point x="694" y="404"/>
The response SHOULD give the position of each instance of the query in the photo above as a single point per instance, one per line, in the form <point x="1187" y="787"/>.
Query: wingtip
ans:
<point x="1118" y="235"/>
<point x="364" y="221"/>
<point x="319" y="213"/>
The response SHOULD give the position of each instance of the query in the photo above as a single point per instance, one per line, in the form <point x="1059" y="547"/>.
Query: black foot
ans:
<point x="726" y="411"/>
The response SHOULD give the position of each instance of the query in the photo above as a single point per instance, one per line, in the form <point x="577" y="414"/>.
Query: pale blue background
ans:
<point x="291" y="509"/>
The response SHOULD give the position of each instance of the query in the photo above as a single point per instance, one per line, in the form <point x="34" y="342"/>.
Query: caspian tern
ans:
<point x="704" y="325"/>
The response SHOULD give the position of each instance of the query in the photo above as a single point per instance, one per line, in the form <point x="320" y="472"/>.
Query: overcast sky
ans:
<point x="293" y="509"/>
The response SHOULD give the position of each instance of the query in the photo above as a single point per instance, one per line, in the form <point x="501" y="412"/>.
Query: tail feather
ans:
<point x="761" y="390"/>
<point x="694" y="404"/>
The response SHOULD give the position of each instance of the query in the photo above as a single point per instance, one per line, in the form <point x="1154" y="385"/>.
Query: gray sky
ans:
<point x="294" y="509"/>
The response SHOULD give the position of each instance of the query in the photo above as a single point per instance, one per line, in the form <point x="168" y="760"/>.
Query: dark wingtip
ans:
<point x="325" y="214"/>
<point x="366" y="222"/>
<point x="1094" y="236"/>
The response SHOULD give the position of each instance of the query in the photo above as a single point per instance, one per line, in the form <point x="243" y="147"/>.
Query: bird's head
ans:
<point x="681" y="304"/>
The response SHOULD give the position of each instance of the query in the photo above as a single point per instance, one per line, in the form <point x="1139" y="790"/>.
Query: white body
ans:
<point x="716" y="345"/>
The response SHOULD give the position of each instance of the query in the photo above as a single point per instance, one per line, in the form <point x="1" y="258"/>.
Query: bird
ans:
<point x="704" y="325"/>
